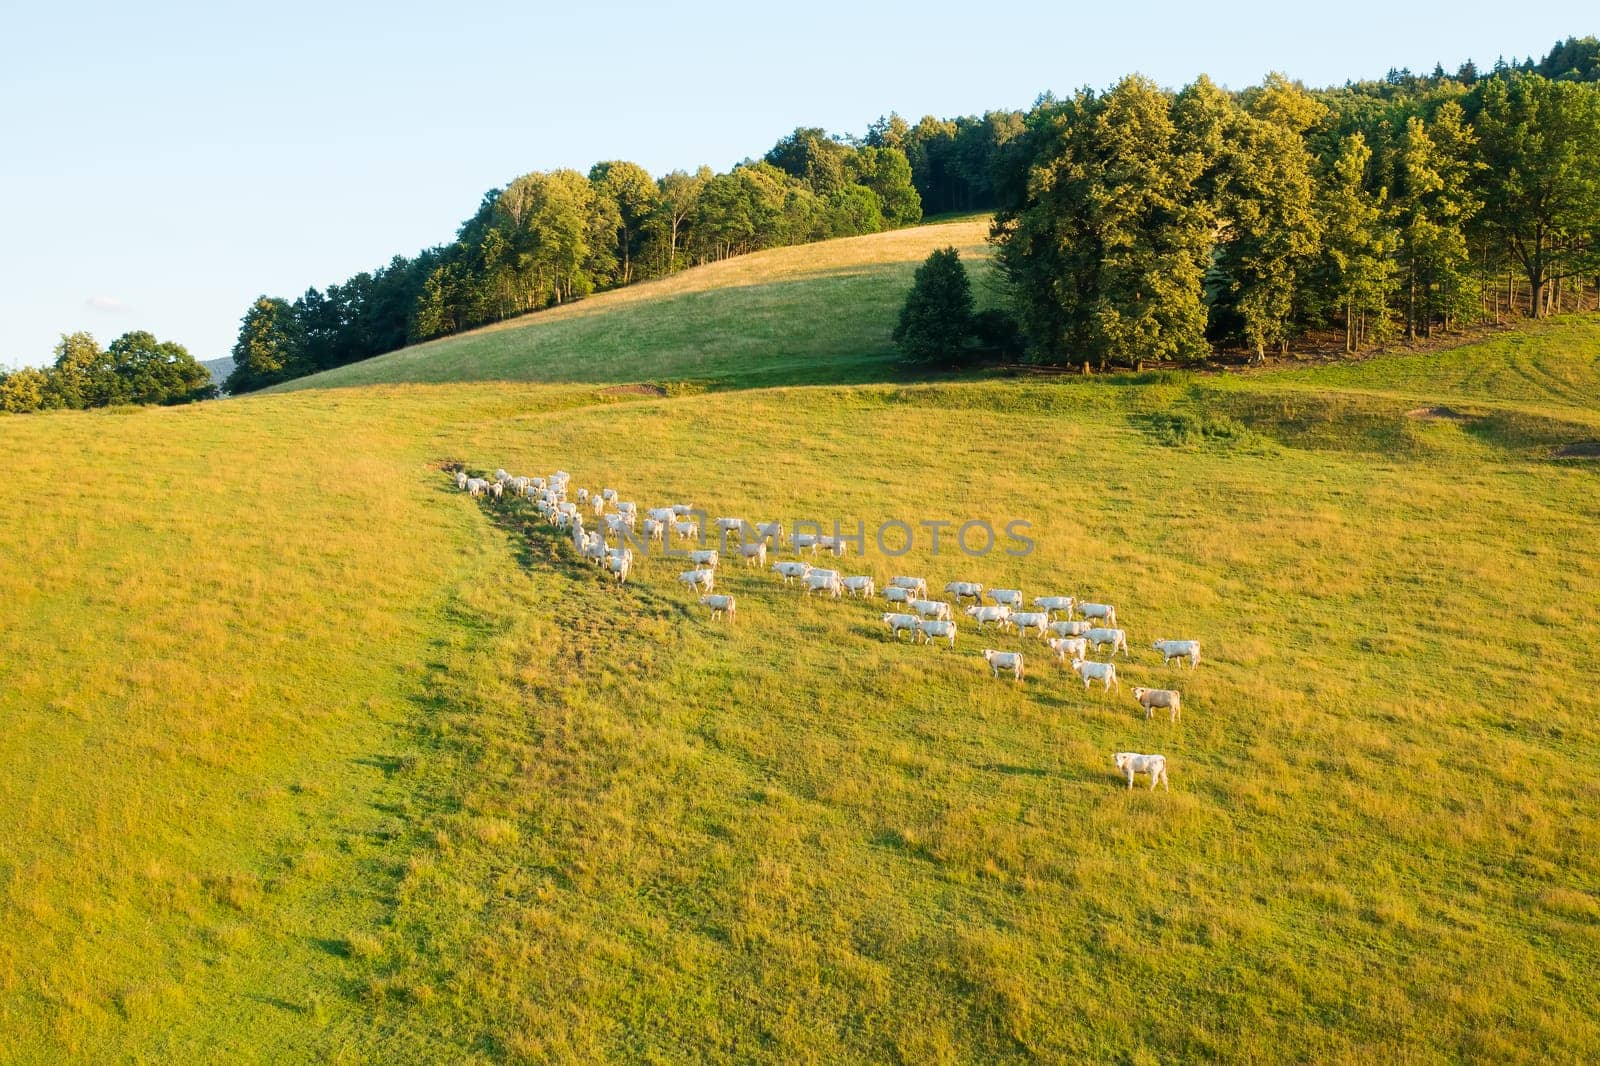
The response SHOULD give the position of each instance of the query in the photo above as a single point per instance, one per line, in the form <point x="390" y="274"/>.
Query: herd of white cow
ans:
<point x="1069" y="628"/>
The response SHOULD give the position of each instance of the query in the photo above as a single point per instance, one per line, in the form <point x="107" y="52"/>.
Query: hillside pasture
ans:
<point x="309" y="754"/>
<point x="813" y="313"/>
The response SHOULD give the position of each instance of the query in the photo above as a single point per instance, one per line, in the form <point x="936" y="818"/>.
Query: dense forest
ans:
<point x="1142" y="224"/>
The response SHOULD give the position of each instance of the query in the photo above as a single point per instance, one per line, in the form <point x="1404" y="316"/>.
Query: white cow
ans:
<point x="1100" y="612"/>
<point x="682" y="510"/>
<point x="962" y="590"/>
<point x="931" y="608"/>
<point x="1093" y="671"/>
<point x="899" y="623"/>
<point x="662" y="515"/>
<point x="932" y="629"/>
<point x="984" y="614"/>
<point x="1070" y="628"/>
<point x="461" y="479"/>
<point x="818" y="580"/>
<point x="1151" y="698"/>
<point x="619" y="561"/>
<point x="721" y="606"/>
<point x="608" y="494"/>
<point x="915" y="584"/>
<point x="1055" y="603"/>
<point x="896" y="594"/>
<point x="477" y="486"/>
<point x="754" y="554"/>
<point x="1025" y="620"/>
<point x="791" y="570"/>
<point x="1069" y="647"/>
<point x="654" y="530"/>
<point x="1117" y="638"/>
<point x="1004" y="660"/>
<point x="860" y="585"/>
<point x="1179" y="649"/>
<point x="699" y="580"/>
<point x="689" y="530"/>
<point x="599" y="505"/>
<point x="705" y="558"/>
<point x="1008" y="597"/>
<point x="1131" y="762"/>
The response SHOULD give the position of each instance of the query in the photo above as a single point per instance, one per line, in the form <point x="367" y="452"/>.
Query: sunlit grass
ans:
<point x="812" y="313"/>
<point x="304" y="754"/>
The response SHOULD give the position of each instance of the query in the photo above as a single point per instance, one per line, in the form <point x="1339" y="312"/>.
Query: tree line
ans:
<point x="551" y="237"/>
<point x="135" y="369"/>
<point x="1143" y="224"/>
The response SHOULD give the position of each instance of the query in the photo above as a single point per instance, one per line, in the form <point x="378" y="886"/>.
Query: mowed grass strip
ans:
<point x="812" y="313"/>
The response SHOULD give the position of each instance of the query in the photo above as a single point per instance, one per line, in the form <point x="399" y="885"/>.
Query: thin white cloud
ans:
<point x="108" y="304"/>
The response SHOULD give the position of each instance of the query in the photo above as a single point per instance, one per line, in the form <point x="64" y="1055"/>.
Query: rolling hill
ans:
<point x="810" y="314"/>
<point x="305" y="754"/>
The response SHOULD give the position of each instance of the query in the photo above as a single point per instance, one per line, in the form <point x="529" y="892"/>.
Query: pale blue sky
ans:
<point x="163" y="163"/>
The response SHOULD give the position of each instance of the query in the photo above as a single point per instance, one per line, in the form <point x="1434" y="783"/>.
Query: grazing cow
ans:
<point x="699" y="580"/>
<point x="791" y="570"/>
<point x="915" y="584"/>
<point x="984" y="614"/>
<point x="1026" y="620"/>
<point x="1100" y="612"/>
<point x="1090" y="671"/>
<point x="1117" y="638"/>
<point x="619" y="561"/>
<point x="1068" y="648"/>
<point x="1055" y="603"/>
<point x="1131" y="762"/>
<point x="721" y="606"/>
<point x="1151" y="698"/>
<point x="860" y="585"/>
<point x="824" y="580"/>
<point x="1179" y="649"/>
<point x="898" y="623"/>
<point x="965" y="590"/>
<point x="1004" y="660"/>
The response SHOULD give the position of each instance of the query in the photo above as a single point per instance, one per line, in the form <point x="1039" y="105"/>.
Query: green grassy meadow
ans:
<point x="810" y="314"/>
<point x="305" y="755"/>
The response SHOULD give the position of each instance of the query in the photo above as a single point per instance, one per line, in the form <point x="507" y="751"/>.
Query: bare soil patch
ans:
<point x="639" y="388"/>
